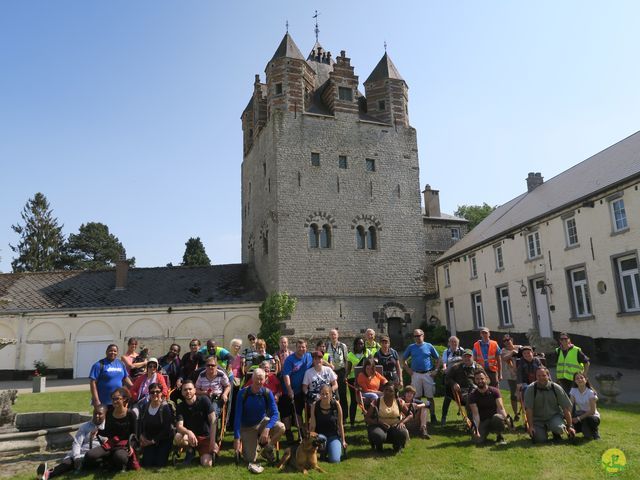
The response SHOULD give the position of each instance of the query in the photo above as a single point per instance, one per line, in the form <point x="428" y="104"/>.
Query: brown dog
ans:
<point x="306" y="454"/>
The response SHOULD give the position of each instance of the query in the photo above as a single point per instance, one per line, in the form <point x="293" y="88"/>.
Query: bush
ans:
<point x="274" y="310"/>
<point x="41" y="368"/>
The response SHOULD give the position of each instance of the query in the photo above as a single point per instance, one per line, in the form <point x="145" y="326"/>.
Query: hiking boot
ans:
<point x="189" y="456"/>
<point x="42" y="472"/>
<point x="596" y="435"/>
<point x="500" y="440"/>
<point x="268" y="454"/>
<point x="516" y="418"/>
<point x="443" y="421"/>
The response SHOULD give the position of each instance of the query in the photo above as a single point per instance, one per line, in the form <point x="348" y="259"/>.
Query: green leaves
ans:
<point x="277" y="307"/>
<point x="93" y="248"/>
<point x="194" y="254"/>
<point x="474" y="213"/>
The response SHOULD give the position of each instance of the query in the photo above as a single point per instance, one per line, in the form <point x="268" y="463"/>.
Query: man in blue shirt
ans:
<point x="420" y="360"/>
<point x="106" y="375"/>
<point x="293" y="372"/>
<point x="256" y="421"/>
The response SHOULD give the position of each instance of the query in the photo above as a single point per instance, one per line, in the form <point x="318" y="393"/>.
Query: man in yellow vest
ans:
<point x="571" y="360"/>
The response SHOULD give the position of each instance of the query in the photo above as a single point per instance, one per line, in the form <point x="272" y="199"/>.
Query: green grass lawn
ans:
<point x="449" y="454"/>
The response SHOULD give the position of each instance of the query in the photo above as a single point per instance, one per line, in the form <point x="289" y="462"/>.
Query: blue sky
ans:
<point x="128" y="112"/>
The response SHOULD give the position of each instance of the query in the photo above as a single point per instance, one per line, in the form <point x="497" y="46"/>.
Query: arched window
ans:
<point x="314" y="236"/>
<point x="325" y="237"/>
<point x="360" y="237"/>
<point x="372" y="239"/>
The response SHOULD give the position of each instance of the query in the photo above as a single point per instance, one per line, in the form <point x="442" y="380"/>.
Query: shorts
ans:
<point x="424" y="384"/>
<point x="286" y="408"/>
<point x="204" y="444"/>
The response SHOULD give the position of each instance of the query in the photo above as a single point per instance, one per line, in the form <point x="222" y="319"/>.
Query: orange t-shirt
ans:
<point x="373" y="384"/>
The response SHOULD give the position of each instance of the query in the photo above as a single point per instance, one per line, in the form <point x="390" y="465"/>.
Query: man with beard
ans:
<point x="487" y="410"/>
<point x="460" y="378"/>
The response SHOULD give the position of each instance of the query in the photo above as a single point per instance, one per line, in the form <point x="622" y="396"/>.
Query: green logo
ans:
<point x="613" y="461"/>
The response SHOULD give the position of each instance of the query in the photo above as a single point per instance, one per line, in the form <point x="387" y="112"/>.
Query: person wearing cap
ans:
<point x="317" y="376"/>
<point x="487" y="410"/>
<point x="527" y="366"/>
<point x="571" y="360"/>
<point x="508" y="357"/>
<point x="422" y="369"/>
<point x="460" y="378"/>
<point x="140" y="388"/>
<point x="487" y="353"/>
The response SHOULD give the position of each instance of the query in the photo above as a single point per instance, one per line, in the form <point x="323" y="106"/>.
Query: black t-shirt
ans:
<point x="388" y="362"/>
<point x="195" y="417"/>
<point x="327" y="422"/>
<point x="157" y="426"/>
<point x="486" y="402"/>
<point x="119" y="427"/>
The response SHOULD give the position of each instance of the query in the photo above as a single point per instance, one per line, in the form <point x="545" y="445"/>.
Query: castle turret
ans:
<point x="387" y="94"/>
<point x="289" y="78"/>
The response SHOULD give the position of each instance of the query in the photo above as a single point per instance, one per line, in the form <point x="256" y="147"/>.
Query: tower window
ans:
<point x="342" y="162"/>
<point x="372" y="239"/>
<point x="314" y="236"/>
<point x="278" y="89"/>
<point x="315" y="159"/>
<point x="360" y="238"/>
<point x="345" y="94"/>
<point x="265" y="243"/>
<point x="264" y="169"/>
<point x="325" y="237"/>
<point x="370" y="164"/>
<point x="382" y="106"/>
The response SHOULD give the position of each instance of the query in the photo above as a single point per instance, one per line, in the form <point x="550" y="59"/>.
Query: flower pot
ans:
<point x="39" y="384"/>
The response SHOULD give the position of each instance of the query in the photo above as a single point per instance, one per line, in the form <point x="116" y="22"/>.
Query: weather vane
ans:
<point x="287" y="25"/>
<point x="317" y="30"/>
<point x="385" y="46"/>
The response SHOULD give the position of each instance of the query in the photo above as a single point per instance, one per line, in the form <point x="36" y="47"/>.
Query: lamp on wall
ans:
<point x="544" y="288"/>
<point x="523" y="288"/>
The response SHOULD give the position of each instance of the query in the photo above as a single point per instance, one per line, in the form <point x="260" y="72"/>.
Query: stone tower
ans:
<point x="331" y="196"/>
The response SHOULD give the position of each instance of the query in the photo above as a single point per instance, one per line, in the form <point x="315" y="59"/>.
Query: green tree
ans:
<point x="194" y="254"/>
<point x="474" y="213"/>
<point x="41" y="240"/>
<point x="93" y="248"/>
<point x="274" y="310"/>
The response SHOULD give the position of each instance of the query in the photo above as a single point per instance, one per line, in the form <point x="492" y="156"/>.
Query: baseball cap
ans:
<point x="153" y="360"/>
<point x="484" y="329"/>
<point x="467" y="352"/>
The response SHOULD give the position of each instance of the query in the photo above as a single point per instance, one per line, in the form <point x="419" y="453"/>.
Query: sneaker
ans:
<point x="596" y="436"/>
<point x="443" y="421"/>
<point x="255" y="468"/>
<point x="500" y="440"/>
<point x="268" y="454"/>
<point x="189" y="456"/>
<point x="556" y="438"/>
<point x="42" y="472"/>
<point x="424" y="434"/>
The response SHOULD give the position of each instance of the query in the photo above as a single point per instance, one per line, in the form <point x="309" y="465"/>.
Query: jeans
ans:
<point x="342" y="393"/>
<point x="156" y="455"/>
<point x="333" y="448"/>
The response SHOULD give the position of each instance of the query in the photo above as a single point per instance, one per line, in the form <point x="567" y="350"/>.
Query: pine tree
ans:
<point x="41" y="239"/>
<point x="93" y="248"/>
<point x="194" y="254"/>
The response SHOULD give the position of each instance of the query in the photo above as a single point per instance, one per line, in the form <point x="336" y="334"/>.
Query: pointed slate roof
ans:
<point x="385" y="69"/>
<point x="287" y="48"/>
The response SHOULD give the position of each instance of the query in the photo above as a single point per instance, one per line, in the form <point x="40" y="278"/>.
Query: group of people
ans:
<point x="145" y="408"/>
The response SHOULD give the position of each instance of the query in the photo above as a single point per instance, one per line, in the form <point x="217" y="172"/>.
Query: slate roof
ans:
<point x="601" y="172"/>
<point x="287" y="48"/>
<point x="385" y="69"/>
<point x="69" y="290"/>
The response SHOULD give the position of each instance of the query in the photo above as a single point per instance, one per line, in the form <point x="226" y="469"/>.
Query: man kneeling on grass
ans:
<point x="546" y="404"/>
<point x="86" y="438"/>
<point x="487" y="410"/>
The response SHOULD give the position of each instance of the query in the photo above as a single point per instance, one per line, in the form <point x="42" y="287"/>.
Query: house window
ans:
<point x="370" y="164"/>
<point x="345" y="93"/>
<point x="504" y="306"/>
<point x="473" y="266"/>
<point x="342" y="162"/>
<point x="618" y="215"/>
<point x="314" y="236"/>
<point x="455" y="234"/>
<point x="533" y="245"/>
<point x="325" y="237"/>
<point x="360" y="237"/>
<point x="372" y="238"/>
<point x="628" y="283"/>
<point x="571" y="232"/>
<point x="497" y="251"/>
<point x="278" y="89"/>
<point x="381" y="105"/>
<point x="478" y="314"/>
<point x="580" y="300"/>
<point x="447" y="276"/>
<point x="315" y="159"/>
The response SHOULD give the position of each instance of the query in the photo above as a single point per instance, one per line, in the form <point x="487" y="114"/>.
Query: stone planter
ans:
<point x="39" y="384"/>
<point x="609" y="389"/>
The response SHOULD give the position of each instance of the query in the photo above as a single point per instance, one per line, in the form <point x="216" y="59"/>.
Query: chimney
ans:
<point x="431" y="202"/>
<point x="534" y="180"/>
<point x="122" y="269"/>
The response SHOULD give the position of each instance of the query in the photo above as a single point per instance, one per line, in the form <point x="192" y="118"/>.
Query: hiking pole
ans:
<point x="461" y="411"/>
<point x="224" y="423"/>
<point x="360" y="404"/>
<point x="295" y="416"/>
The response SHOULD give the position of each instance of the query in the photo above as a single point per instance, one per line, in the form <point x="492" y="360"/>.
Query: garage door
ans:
<point x="88" y="353"/>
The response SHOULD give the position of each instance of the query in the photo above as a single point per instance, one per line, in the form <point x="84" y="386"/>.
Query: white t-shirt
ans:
<point x="583" y="400"/>
<point x="315" y="380"/>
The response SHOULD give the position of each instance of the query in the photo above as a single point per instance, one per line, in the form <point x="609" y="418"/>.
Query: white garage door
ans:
<point x="88" y="353"/>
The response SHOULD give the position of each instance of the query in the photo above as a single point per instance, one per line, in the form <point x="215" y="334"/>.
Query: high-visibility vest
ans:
<point x="568" y="365"/>
<point x="492" y="359"/>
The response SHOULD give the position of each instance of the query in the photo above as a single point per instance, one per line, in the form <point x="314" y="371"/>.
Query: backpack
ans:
<point x="265" y="397"/>
<point x="172" y="407"/>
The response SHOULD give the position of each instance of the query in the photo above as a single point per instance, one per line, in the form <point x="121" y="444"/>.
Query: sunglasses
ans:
<point x="155" y="392"/>
<point x="564" y="338"/>
<point x="417" y="336"/>
<point x="116" y="399"/>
